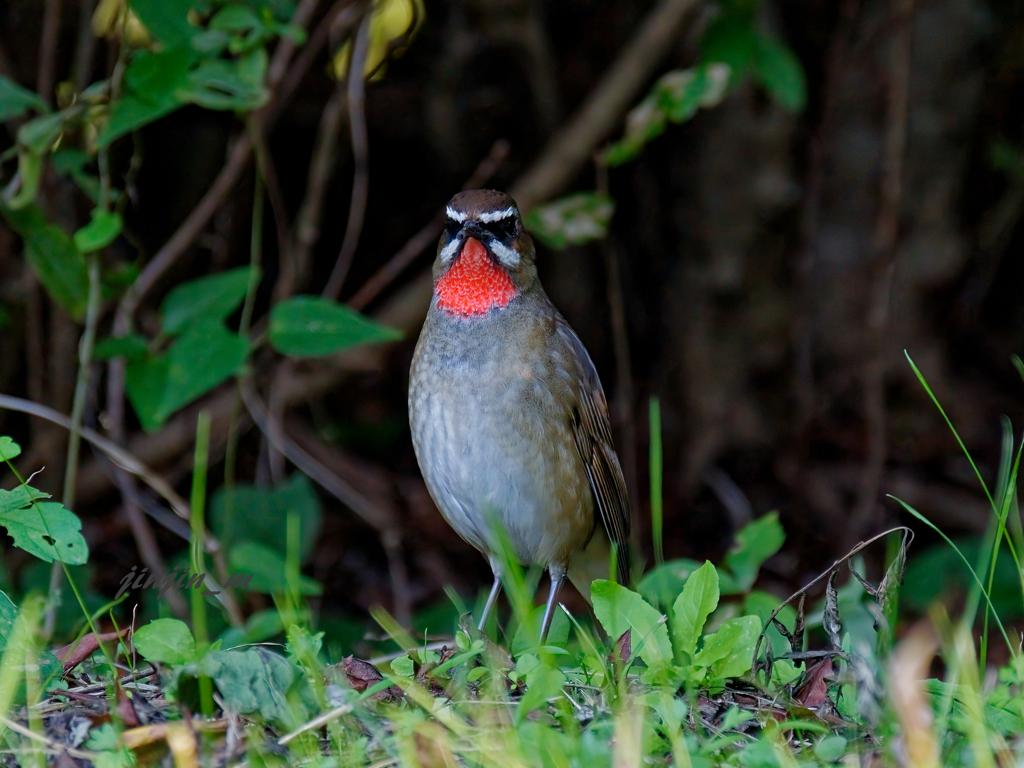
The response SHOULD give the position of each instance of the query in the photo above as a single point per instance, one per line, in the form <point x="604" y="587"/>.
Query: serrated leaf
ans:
<point x="9" y="449"/>
<point x="204" y="356"/>
<point x="781" y="73"/>
<point x="48" y="531"/>
<point x="16" y="100"/>
<point x="98" y="233"/>
<point x="620" y="609"/>
<point x="692" y="608"/>
<point x="267" y="567"/>
<point x="168" y="641"/>
<point x="755" y="543"/>
<point x="213" y="297"/>
<point x="308" y="326"/>
<point x="132" y="347"/>
<point x="571" y="220"/>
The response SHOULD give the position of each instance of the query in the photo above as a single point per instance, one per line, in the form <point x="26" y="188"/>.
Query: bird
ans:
<point x="508" y="418"/>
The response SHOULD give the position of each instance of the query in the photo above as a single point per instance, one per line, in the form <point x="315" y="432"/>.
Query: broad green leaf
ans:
<point x="167" y="641"/>
<point x="730" y="39"/>
<point x="761" y="604"/>
<point x="403" y="666"/>
<point x="9" y="449"/>
<point x="132" y="347"/>
<point x="830" y="749"/>
<point x="48" y="531"/>
<point x="252" y="680"/>
<point x="730" y="650"/>
<point x="205" y="355"/>
<point x="572" y="220"/>
<point x="19" y="498"/>
<point x="236" y="18"/>
<point x="98" y="233"/>
<point x="54" y="258"/>
<point x="692" y="608"/>
<point x="267" y="567"/>
<point x="209" y="298"/>
<point x="151" y="90"/>
<point x="223" y="84"/>
<point x="167" y="20"/>
<point x="308" y="326"/>
<point x="665" y="583"/>
<point x="619" y="609"/>
<point x="755" y="543"/>
<point x="780" y="72"/>
<point x="8" y="613"/>
<point x="259" y="514"/>
<point x="16" y="100"/>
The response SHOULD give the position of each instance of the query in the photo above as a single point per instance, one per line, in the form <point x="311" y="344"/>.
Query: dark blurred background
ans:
<point x="756" y="278"/>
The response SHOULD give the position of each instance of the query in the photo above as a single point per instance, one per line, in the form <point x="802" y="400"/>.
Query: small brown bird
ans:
<point x="509" y="421"/>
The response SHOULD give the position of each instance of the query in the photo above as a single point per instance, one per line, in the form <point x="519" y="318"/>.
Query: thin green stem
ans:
<point x="199" y="626"/>
<point x="654" y="418"/>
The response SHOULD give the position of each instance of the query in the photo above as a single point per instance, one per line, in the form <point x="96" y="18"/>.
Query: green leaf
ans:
<point x="730" y="650"/>
<point x="543" y="682"/>
<point x="619" y="609"/>
<point x="308" y="326"/>
<point x="665" y="583"/>
<point x="39" y="135"/>
<point x="204" y="356"/>
<point x="403" y="666"/>
<point x="21" y="191"/>
<point x="830" y="749"/>
<point x="48" y="531"/>
<point x="683" y="92"/>
<point x="222" y="84"/>
<point x="16" y="100"/>
<point x="236" y="18"/>
<point x="755" y="543"/>
<point x="132" y="347"/>
<point x="692" y="608"/>
<point x="252" y="680"/>
<point x="9" y="449"/>
<point x="730" y="39"/>
<point x="98" y="233"/>
<point x="8" y="613"/>
<point x="19" y="498"/>
<point x="167" y="20"/>
<point x="572" y="220"/>
<point x="54" y="258"/>
<point x="267" y="567"/>
<point x="213" y="297"/>
<point x="259" y="514"/>
<point x="151" y="90"/>
<point x="167" y="641"/>
<point x="781" y="74"/>
<point x="528" y="633"/>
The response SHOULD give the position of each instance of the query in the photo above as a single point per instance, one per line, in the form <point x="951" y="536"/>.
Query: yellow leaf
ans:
<point x="391" y="19"/>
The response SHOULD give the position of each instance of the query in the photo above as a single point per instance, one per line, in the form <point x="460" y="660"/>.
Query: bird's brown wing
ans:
<point x="593" y="435"/>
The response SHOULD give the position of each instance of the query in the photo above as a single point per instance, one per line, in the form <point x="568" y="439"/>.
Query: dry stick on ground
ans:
<point x="361" y="159"/>
<point x="428" y="235"/>
<point x="883" y="263"/>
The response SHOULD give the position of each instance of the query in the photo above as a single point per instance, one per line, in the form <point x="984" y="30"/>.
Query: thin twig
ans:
<point x="428" y="235"/>
<point x="117" y="454"/>
<point x="85" y="47"/>
<point x="317" y="722"/>
<point x="361" y="160"/>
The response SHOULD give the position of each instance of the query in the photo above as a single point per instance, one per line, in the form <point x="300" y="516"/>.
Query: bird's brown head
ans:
<point x="485" y="256"/>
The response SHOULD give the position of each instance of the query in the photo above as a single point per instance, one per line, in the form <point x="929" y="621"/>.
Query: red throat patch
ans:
<point x="474" y="284"/>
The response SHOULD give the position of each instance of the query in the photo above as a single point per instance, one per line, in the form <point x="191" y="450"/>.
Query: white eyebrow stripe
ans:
<point x="453" y="214"/>
<point x="492" y="216"/>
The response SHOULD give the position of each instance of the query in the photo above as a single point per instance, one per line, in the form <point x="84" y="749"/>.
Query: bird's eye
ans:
<point x="451" y="227"/>
<point x="503" y="229"/>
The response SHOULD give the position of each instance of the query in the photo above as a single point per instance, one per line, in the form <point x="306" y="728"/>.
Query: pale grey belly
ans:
<point x="504" y="453"/>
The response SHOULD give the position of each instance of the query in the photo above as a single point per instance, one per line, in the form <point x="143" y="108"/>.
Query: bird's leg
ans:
<point x="557" y="573"/>
<point x="491" y="598"/>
